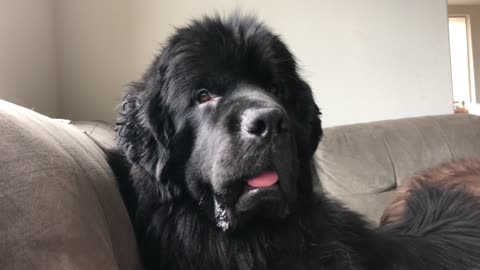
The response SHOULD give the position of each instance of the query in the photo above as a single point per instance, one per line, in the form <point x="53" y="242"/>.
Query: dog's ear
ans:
<point x="144" y="127"/>
<point x="310" y="114"/>
<point x="316" y="132"/>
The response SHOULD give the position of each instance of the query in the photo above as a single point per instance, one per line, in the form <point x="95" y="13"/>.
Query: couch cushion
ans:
<point x="358" y="160"/>
<point x="59" y="205"/>
<point x="101" y="133"/>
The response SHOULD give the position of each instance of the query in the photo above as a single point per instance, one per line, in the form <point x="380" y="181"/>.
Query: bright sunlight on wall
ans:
<point x="459" y="53"/>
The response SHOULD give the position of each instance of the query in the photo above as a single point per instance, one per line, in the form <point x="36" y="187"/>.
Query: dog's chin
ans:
<point x="255" y="206"/>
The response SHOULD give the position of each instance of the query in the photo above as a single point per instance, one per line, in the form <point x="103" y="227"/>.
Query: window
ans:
<point x="462" y="68"/>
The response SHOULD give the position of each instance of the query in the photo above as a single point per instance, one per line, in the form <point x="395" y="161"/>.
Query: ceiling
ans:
<point x="464" y="2"/>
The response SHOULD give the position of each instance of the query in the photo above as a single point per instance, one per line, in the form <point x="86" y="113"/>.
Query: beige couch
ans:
<point x="363" y="164"/>
<point x="59" y="206"/>
<point x="60" y="209"/>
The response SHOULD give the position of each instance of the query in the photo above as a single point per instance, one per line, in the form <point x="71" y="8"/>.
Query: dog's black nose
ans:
<point x="264" y="121"/>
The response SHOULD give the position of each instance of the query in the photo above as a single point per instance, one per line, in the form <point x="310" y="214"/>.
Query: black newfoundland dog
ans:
<point x="219" y="135"/>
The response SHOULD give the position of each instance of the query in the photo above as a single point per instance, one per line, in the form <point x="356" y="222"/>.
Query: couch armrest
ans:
<point x="59" y="204"/>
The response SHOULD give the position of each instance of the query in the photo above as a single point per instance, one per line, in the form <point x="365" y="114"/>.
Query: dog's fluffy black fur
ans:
<point x="224" y="103"/>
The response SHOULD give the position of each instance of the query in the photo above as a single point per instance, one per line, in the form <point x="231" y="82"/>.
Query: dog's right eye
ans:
<point x="203" y="96"/>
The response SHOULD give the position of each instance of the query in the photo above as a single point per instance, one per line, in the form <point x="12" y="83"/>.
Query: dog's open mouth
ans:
<point x="261" y="193"/>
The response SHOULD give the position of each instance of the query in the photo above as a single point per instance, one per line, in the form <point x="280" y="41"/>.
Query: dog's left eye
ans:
<point x="203" y="96"/>
<point x="273" y="90"/>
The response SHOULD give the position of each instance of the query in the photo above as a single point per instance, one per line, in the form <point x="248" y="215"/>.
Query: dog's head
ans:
<point x="222" y="120"/>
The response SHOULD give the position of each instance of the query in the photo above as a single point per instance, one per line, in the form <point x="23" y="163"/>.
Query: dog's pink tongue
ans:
<point x="265" y="179"/>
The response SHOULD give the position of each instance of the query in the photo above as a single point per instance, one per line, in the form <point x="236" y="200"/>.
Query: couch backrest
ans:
<point x="362" y="164"/>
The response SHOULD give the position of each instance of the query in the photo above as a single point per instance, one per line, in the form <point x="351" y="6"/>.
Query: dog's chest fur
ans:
<point x="179" y="238"/>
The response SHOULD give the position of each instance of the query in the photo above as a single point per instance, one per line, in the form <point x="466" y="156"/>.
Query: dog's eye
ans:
<point x="273" y="90"/>
<point x="203" y="96"/>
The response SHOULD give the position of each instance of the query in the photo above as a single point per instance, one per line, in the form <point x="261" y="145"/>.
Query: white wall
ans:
<point x="27" y="54"/>
<point x="95" y="43"/>
<point x="379" y="59"/>
<point x="474" y="13"/>
<point x="366" y="60"/>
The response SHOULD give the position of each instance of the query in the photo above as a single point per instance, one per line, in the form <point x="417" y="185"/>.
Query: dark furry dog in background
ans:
<point x="459" y="175"/>
<point x="219" y="135"/>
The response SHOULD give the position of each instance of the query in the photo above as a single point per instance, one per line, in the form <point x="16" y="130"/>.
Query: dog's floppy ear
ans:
<point x="316" y="132"/>
<point x="310" y="114"/>
<point x="144" y="127"/>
